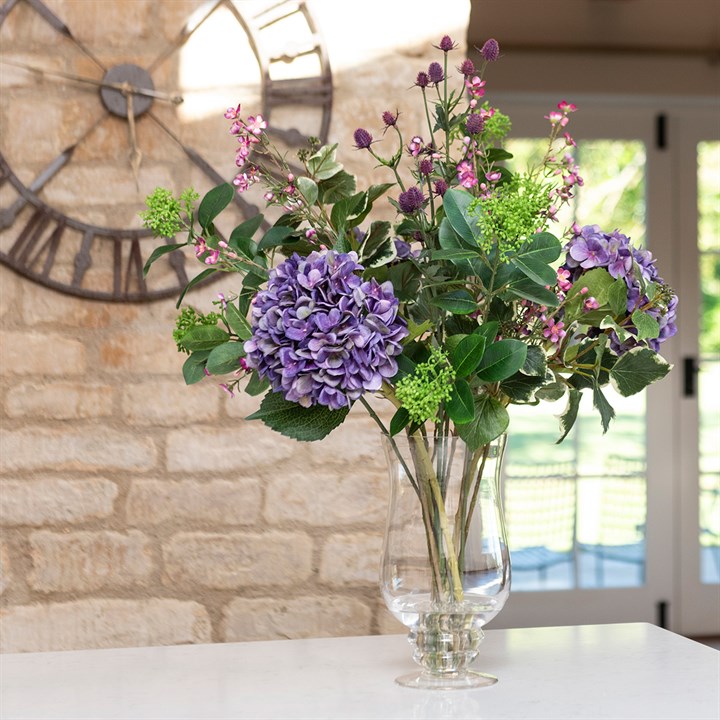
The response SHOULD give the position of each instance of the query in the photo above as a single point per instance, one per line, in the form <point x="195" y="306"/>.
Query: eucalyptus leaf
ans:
<point x="193" y="369"/>
<point x="277" y="235"/>
<point x="458" y="302"/>
<point x="536" y="270"/>
<point x="238" y="322"/>
<point x="195" y="281"/>
<point x="256" y="385"/>
<point x="456" y="203"/>
<point x="530" y="290"/>
<point x="158" y="252"/>
<point x="466" y="356"/>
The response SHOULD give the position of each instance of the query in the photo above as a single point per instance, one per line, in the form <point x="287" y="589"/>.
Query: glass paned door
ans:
<point x="577" y="511"/>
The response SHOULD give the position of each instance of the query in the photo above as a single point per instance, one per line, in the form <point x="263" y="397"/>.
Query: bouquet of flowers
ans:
<point x="467" y="303"/>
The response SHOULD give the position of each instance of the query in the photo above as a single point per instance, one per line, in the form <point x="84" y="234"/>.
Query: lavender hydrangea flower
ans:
<point x="590" y="247"/>
<point x="322" y="335"/>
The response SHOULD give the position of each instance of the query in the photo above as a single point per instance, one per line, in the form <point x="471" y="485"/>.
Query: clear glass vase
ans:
<point x="446" y="564"/>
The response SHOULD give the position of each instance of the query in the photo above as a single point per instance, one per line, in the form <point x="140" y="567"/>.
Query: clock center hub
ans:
<point x="116" y="100"/>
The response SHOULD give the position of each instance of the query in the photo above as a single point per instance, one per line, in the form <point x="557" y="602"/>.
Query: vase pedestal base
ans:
<point x="451" y="681"/>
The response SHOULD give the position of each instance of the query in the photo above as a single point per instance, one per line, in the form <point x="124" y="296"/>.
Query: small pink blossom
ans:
<point x="416" y="145"/>
<point x="566" y="107"/>
<point x="554" y="331"/>
<point x="466" y="175"/>
<point x="232" y="113"/>
<point x="255" y="124"/>
<point x="591" y="304"/>
<point x="475" y="86"/>
<point x="563" y="279"/>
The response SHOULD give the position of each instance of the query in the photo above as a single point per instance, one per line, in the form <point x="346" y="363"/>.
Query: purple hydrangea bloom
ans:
<point x="411" y="200"/>
<point x="322" y="335"/>
<point x="590" y="247"/>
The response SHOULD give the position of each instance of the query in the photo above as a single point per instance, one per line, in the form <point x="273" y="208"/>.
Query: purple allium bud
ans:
<point x="446" y="44"/>
<point x="435" y="72"/>
<point x="422" y="80"/>
<point x="440" y="187"/>
<point x="411" y="200"/>
<point x="474" y="124"/>
<point x="389" y="119"/>
<point x="467" y="67"/>
<point x="322" y="335"/>
<point x="490" y="50"/>
<point x="425" y="167"/>
<point x="363" y="139"/>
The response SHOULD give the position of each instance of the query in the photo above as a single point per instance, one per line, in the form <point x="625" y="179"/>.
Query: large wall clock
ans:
<point x="94" y="115"/>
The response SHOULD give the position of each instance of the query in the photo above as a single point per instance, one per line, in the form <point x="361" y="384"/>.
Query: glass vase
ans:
<point x="445" y="565"/>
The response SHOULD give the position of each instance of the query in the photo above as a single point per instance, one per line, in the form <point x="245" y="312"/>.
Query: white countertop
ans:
<point x="592" y="671"/>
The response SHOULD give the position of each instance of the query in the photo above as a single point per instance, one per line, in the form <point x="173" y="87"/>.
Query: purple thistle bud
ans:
<point x="446" y="44"/>
<point x="363" y="139"/>
<point x="425" y="167"/>
<point x="435" y="72"/>
<point x="411" y="200"/>
<point x="467" y="67"/>
<point x="490" y="50"/>
<point x="474" y="124"/>
<point x="440" y="187"/>
<point x="422" y="80"/>
<point x="389" y="119"/>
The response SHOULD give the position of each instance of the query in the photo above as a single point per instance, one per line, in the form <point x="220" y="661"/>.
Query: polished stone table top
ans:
<point x="592" y="671"/>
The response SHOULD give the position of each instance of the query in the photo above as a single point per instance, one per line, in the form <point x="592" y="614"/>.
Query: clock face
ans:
<point x="92" y="121"/>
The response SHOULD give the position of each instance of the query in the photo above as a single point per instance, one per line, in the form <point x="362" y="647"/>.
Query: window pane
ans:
<point x="576" y="511"/>
<point x="709" y="377"/>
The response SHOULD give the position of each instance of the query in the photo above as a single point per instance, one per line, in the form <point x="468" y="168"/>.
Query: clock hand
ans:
<point x="135" y="153"/>
<point x="175" y="99"/>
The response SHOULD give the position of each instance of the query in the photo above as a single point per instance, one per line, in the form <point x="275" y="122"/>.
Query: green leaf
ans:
<point x="467" y="355"/>
<point x="551" y="392"/>
<point x="458" y="302"/>
<point x="608" y="323"/>
<point x="214" y="203"/>
<point x="399" y="421"/>
<point x="542" y="247"/>
<point x="374" y="239"/>
<point x="521" y="388"/>
<point x="224" y="358"/>
<point x="568" y="418"/>
<point x="597" y="281"/>
<point x="530" y="290"/>
<point x="607" y="413"/>
<point x="339" y="186"/>
<point x="454" y="254"/>
<point x="238" y="322"/>
<point x="647" y="326"/>
<point x="322" y="165"/>
<point x="376" y="191"/>
<point x="637" y="369"/>
<point x="194" y="367"/>
<point x="456" y="203"/>
<point x="415" y="330"/>
<point x="617" y="297"/>
<point x="158" y="252"/>
<point x="535" y="363"/>
<point x="490" y="421"/>
<point x="204" y="337"/>
<point x="536" y="270"/>
<point x="295" y="421"/>
<point x="502" y="359"/>
<point x="197" y="279"/>
<point x="344" y="208"/>
<point x="256" y="385"/>
<point x="308" y="189"/>
<point x="461" y="406"/>
<point x="488" y="330"/>
<point x="276" y="235"/>
<point x="494" y="155"/>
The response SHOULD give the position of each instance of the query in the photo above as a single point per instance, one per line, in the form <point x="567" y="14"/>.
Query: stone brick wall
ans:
<point x="137" y="511"/>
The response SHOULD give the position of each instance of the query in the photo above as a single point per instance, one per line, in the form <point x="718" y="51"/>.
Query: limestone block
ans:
<point x="84" y="561"/>
<point x="59" y="400"/>
<point x="34" y="353"/>
<point x="219" y="502"/>
<point x="153" y="353"/>
<point x="235" y="560"/>
<point x="240" y="447"/>
<point x="48" y="501"/>
<point x="169" y="402"/>
<point x="327" y="498"/>
<point x="299" y="617"/>
<point x="356" y="443"/>
<point x="102" y="623"/>
<point x="352" y="557"/>
<point x="5" y="571"/>
<point x="97" y="448"/>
